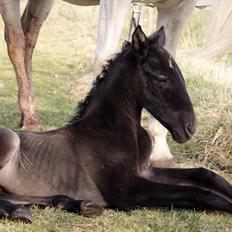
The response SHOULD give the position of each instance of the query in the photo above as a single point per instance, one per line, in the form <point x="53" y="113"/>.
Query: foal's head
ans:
<point x="162" y="89"/>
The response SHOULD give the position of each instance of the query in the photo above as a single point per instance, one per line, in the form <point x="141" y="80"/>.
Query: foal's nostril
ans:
<point x="190" y="129"/>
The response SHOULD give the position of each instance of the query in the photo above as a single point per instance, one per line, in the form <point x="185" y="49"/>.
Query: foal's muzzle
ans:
<point x="184" y="132"/>
<point x="190" y="129"/>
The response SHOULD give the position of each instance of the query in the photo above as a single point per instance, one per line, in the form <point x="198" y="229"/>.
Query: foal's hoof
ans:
<point x="3" y="214"/>
<point x="21" y="214"/>
<point x="163" y="163"/>
<point x="90" y="209"/>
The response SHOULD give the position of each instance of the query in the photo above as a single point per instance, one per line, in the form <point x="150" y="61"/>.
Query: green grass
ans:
<point x="62" y="75"/>
<point x="138" y="220"/>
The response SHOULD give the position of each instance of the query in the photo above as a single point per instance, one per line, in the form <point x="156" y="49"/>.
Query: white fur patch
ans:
<point x="170" y="63"/>
<point x="160" y="149"/>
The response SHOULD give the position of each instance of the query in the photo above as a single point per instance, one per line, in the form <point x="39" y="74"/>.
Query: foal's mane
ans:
<point x="84" y="104"/>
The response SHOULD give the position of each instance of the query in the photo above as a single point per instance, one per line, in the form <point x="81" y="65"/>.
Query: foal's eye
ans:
<point x="162" y="79"/>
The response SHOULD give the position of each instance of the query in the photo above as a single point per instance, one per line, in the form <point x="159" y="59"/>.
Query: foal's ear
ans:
<point x="139" y="42"/>
<point x="158" y="38"/>
<point x="126" y="44"/>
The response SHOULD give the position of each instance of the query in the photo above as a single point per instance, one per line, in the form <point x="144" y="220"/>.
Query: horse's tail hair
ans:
<point x="218" y="38"/>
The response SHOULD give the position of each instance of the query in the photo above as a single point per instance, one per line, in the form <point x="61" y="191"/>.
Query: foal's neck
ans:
<point x="115" y="102"/>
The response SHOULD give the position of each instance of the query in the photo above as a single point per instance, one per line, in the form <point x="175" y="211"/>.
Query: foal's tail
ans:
<point x="219" y="34"/>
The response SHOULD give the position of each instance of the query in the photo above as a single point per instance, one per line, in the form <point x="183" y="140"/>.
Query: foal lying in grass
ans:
<point x="100" y="158"/>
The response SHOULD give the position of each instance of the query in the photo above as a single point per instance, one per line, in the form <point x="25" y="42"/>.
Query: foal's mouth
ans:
<point x="181" y="137"/>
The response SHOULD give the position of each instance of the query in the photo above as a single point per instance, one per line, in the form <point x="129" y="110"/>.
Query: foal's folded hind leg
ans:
<point x="15" y="212"/>
<point x="84" y="207"/>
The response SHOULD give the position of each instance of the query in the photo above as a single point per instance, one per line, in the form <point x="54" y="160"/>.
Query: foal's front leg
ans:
<point x="199" y="177"/>
<point x="142" y="192"/>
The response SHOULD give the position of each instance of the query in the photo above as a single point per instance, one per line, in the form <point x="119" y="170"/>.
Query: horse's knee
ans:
<point x="9" y="144"/>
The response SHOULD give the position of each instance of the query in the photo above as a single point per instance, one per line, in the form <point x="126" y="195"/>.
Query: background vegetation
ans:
<point x="62" y="72"/>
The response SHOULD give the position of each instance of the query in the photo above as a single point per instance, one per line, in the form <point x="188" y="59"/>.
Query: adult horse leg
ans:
<point x="32" y="19"/>
<point x="112" y="15"/>
<point x="15" y="40"/>
<point x="160" y="154"/>
<point x="173" y="19"/>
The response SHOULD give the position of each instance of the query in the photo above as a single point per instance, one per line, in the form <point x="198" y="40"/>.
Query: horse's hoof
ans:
<point x="21" y="214"/>
<point x="163" y="163"/>
<point x="90" y="209"/>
